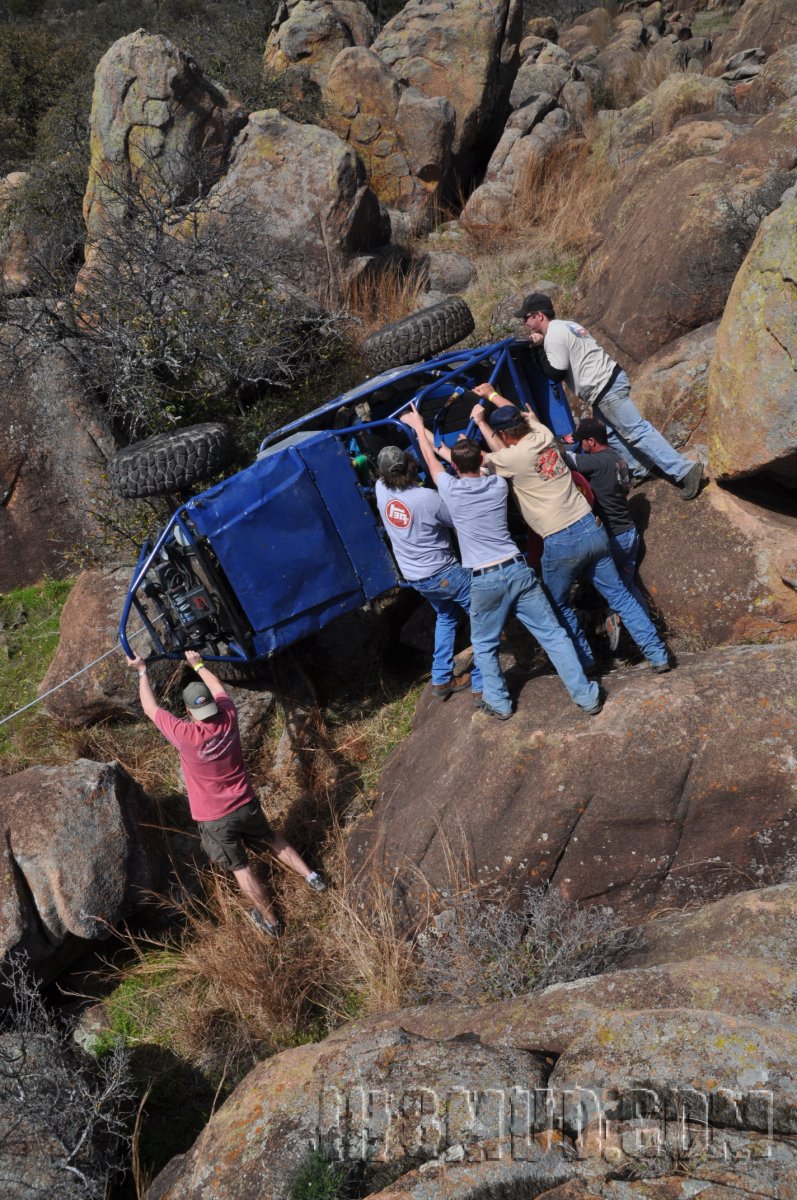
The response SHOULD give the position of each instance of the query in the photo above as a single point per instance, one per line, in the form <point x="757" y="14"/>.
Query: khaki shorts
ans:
<point x="225" y="840"/>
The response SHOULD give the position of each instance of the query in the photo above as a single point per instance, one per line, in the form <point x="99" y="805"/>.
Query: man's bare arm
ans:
<point x="145" y="693"/>
<point x="208" y="678"/>
<point x="482" y="424"/>
<point x="426" y="442"/>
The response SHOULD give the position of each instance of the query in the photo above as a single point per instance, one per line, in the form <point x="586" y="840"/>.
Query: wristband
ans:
<point x="140" y="673"/>
<point x="492" y="395"/>
<point x="198" y="666"/>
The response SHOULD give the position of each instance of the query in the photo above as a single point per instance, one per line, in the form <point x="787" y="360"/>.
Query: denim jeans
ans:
<point x="625" y="551"/>
<point x="514" y="588"/>
<point x="631" y="435"/>
<point x="581" y="551"/>
<point x="447" y="592"/>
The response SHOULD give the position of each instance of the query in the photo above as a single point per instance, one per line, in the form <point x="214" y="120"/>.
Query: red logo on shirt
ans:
<point x="550" y="463"/>
<point x="398" y="515"/>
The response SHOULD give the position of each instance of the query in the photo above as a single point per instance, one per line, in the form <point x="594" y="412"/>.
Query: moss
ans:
<point x="29" y="619"/>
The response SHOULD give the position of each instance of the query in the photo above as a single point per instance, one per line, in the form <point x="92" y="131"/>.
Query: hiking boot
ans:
<point x="661" y="668"/>
<point x="612" y="627"/>
<point x="274" y="930"/>
<point x="314" y="881"/>
<point x="598" y="705"/>
<point x="638" y="480"/>
<point x="690" y="484"/>
<point x="493" y="712"/>
<point x="456" y="684"/>
<point x="476" y="699"/>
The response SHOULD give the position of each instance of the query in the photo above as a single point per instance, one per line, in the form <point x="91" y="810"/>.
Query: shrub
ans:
<point x="479" y="948"/>
<point x="74" y="1111"/>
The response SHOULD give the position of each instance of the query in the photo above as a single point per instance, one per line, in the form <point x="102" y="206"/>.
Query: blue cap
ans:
<point x="507" y="414"/>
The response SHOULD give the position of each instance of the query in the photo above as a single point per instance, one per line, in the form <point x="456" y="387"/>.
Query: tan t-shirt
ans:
<point x="541" y="480"/>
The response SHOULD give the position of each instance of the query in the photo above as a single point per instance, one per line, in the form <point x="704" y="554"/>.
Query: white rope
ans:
<point x="64" y="682"/>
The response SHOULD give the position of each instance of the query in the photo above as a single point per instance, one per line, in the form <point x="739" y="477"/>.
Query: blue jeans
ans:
<point x="582" y="551"/>
<point x="633" y="437"/>
<point x="447" y="592"/>
<point x="514" y="588"/>
<point x="625" y="551"/>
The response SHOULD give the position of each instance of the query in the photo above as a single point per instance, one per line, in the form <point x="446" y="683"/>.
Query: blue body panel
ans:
<point x="296" y="539"/>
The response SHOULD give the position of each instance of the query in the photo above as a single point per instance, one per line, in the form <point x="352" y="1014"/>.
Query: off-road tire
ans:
<point x="420" y="335"/>
<point x="171" y="462"/>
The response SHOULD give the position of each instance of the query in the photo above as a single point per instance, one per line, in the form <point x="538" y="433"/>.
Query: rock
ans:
<point x="76" y="858"/>
<point x="619" y="62"/>
<point x="648" y="282"/>
<point x="541" y="27"/>
<point x="768" y="24"/>
<point x="417" y="1090"/>
<point x="54" y="442"/>
<point x="310" y="189"/>
<point x="533" y="136"/>
<point x="728" y="585"/>
<point x="157" y="124"/>
<point x="752" y="392"/>
<point x="16" y="268"/>
<point x="700" y="806"/>
<point x="305" y="44"/>
<point x="655" y="115"/>
<point x="403" y="137"/>
<point x="89" y="628"/>
<point x="775" y="82"/>
<point x="503" y="322"/>
<point x="466" y="51"/>
<point x="671" y="388"/>
<point x="534" y="79"/>
<point x="448" y="272"/>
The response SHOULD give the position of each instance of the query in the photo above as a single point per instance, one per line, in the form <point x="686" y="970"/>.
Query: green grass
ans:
<point x="319" y="1179"/>
<point x="28" y="638"/>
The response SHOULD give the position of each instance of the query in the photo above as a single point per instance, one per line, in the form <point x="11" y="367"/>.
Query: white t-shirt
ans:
<point x="417" y="523"/>
<point x="570" y="348"/>
<point x="478" y="507"/>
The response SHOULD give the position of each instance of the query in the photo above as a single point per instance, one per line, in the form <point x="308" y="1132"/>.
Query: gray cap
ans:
<point x="390" y="460"/>
<point x="199" y="701"/>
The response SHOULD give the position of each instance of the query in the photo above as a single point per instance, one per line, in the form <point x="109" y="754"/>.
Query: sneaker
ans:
<point x="690" y="484"/>
<point x="493" y="712"/>
<point x="596" y="708"/>
<point x="612" y="627"/>
<point x="457" y="684"/>
<point x="274" y="930"/>
<point x="638" y="480"/>
<point x="661" y="668"/>
<point x="314" y="881"/>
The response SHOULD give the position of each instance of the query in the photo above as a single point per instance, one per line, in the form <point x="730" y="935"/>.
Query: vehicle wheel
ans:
<point x="420" y="335"/>
<point x="171" y="462"/>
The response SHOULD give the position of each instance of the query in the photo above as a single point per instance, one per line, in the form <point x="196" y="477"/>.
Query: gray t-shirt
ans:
<point x="570" y="348"/>
<point x="478" y="507"/>
<point x="417" y="523"/>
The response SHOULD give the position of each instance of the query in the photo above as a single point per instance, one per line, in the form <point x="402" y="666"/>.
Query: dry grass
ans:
<point x="376" y="299"/>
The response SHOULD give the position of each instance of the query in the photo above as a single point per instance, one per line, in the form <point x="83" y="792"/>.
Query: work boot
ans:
<point x="690" y="484"/>
<point x="457" y="683"/>
<point x="598" y="705"/>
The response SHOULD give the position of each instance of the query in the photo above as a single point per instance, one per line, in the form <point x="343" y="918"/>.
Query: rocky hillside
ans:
<point x="218" y="249"/>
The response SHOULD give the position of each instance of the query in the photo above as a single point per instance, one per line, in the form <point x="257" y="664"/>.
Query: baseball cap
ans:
<point x="590" y="427"/>
<point x="504" y="416"/>
<point x="199" y="701"/>
<point x="535" y="302"/>
<point x="390" y="459"/>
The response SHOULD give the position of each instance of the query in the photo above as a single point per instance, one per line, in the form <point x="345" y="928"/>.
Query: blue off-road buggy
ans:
<point x="279" y="549"/>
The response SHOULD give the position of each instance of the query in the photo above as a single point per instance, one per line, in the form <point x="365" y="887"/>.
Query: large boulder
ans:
<point x="677" y="1066"/>
<point x="769" y="24"/>
<point x="309" y="193"/>
<point x="681" y="791"/>
<point x="752" y="397"/>
<point x="17" y="270"/>
<point x="653" y="116"/>
<point x="534" y="135"/>
<point x="55" y="440"/>
<point x="401" y="1097"/>
<point x="775" y="82"/>
<point x="671" y="387"/>
<point x="403" y="137"/>
<point x="650" y="281"/>
<point x="157" y="125"/>
<point x="308" y="35"/>
<point x="79" y="850"/>
<point x="466" y="51"/>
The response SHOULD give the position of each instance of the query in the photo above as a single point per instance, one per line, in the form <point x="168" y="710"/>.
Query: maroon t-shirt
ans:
<point x="213" y="766"/>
